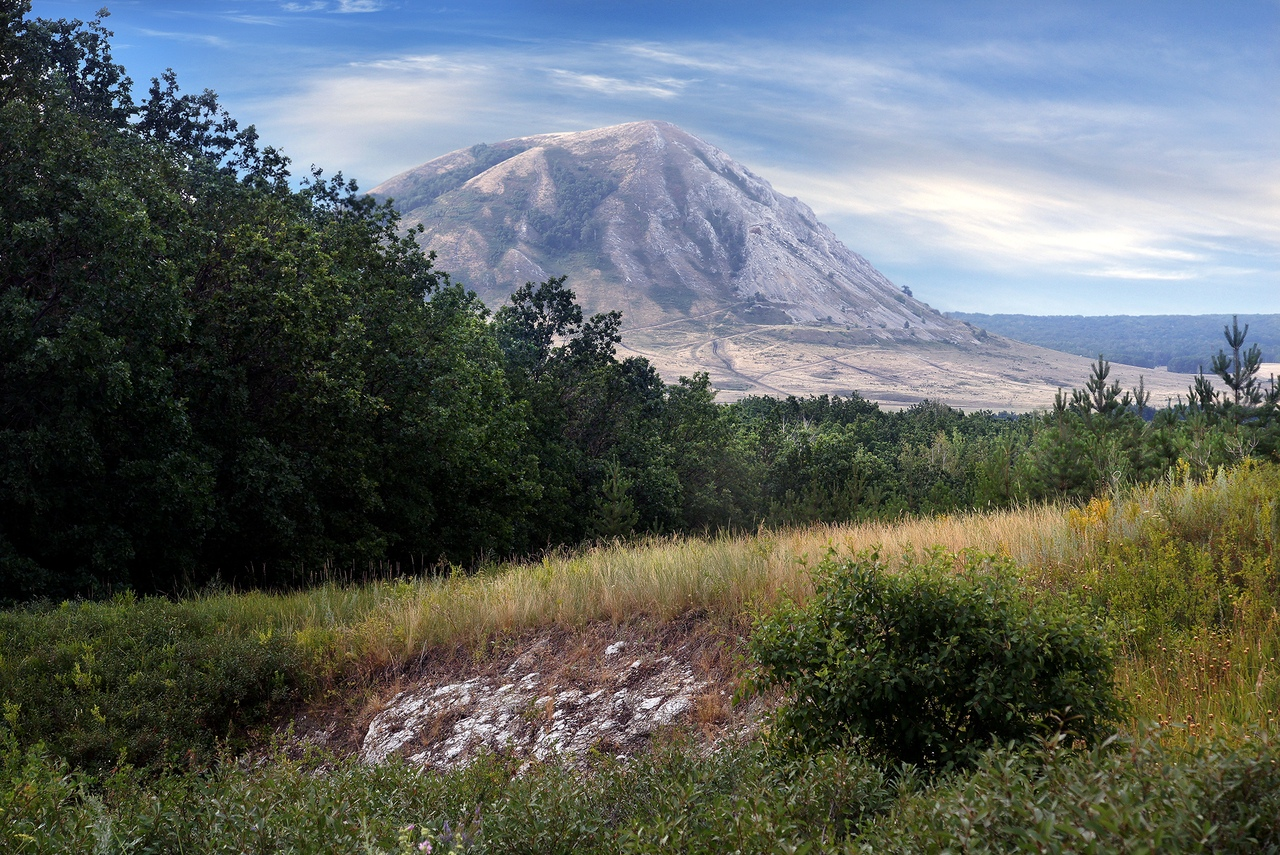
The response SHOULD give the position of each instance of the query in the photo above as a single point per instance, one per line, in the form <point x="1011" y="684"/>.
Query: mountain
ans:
<point x="649" y="219"/>
<point x="712" y="268"/>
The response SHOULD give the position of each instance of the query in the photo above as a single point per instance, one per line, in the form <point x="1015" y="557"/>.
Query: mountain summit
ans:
<point x="649" y="219"/>
<point x="713" y="271"/>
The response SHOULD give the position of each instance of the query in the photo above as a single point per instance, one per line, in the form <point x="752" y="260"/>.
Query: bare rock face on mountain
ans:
<point x="713" y="270"/>
<point x="650" y="220"/>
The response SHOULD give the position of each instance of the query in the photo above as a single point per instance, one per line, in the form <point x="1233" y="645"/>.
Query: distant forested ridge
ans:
<point x="1182" y="343"/>
<point x="210" y="374"/>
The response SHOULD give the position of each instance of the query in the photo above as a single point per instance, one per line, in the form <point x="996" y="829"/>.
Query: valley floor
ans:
<point x="780" y="360"/>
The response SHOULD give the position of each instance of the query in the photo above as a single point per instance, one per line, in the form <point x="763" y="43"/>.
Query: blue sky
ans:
<point x="1044" y="158"/>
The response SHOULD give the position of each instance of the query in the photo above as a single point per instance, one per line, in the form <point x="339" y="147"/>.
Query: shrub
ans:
<point x="1137" y="795"/>
<point x="676" y="799"/>
<point x="42" y="804"/>
<point x="150" y="681"/>
<point x="928" y="667"/>
<point x="1134" y="795"/>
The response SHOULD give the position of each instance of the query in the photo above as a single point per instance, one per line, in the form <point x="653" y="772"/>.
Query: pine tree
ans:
<point x="1099" y="396"/>
<point x="615" y="514"/>
<point x="1061" y="451"/>
<point x="1201" y="396"/>
<point x="1240" y="370"/>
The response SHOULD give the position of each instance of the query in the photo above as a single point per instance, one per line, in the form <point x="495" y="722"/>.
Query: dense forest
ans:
<point x="1181" y="343"/>
<point x="211" y="372"/>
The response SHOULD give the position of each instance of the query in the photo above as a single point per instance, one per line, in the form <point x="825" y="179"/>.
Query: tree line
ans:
<point x="210" y="373"/>
<point x="1177" y="342"/>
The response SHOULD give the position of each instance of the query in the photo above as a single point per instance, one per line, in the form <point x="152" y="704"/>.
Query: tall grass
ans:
<point x="385" y="623"/>
<point x="1184" y="573"/>
<point x="663" y="576"/>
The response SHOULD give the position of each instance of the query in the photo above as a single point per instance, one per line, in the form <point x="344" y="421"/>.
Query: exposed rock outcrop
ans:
<point x="561" y="696"/>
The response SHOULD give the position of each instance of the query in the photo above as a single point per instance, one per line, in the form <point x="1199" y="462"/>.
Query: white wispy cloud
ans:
<point x="355" y="6"/>
<point x="424" y="63"/>
<point x="611" y="86"/>
<point x="202" y="38"/>
<point x="671" y="57"/>
<point x="1011" y="220"/>
<point x="374" y="119"/>
<point x="255" y="20"/>
<point x="341" y="7"/>
<point x="1129" y="273"/>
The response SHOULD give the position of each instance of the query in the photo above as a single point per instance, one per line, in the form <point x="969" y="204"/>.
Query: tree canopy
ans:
<point x="203" y="371"/>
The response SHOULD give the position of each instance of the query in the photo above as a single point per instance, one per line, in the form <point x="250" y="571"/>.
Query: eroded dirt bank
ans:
<point x="554" y="694"/>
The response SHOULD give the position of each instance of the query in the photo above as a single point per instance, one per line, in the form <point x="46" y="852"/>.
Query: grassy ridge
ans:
<point x="1185" y="570"/>
<point x="1185" y="574"/>
<point x="387" y="623"/>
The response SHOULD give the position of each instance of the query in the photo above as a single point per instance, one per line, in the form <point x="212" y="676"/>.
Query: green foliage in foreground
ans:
<point x="150" y="682"/>
<point x="1213" y="537"/>
<point x="1132" y="796"/>
<point x="928" y="666"/>
<point x="673" y="800"/>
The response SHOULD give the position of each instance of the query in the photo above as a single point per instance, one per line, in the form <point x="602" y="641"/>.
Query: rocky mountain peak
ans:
<point x="646" y="218"/>
<point x="713" y="270"/>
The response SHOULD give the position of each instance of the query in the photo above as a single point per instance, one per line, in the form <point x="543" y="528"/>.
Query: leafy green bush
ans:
<point x="150" y="681"/>
<point x="1132" y="796"/>
<point x="928" y="667"/>
<point x="41" y="802"/>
